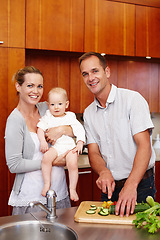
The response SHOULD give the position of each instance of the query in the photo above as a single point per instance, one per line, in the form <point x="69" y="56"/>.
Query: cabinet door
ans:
<point x="11" y="59"/>
<point x="84" y="186"/>
<point x="141" y="77"/>
<point x="109" y="27"/>
<point x="12" y="21"/>
<point x="55" y="25"/>
<point x="80" y="96"/>
<point x="96" y="191"/>
<point x="157" y="180"/>
<point x="147" y="31"/>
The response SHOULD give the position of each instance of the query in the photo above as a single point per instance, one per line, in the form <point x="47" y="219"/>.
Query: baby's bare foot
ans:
<point x="73" y="195"/>
<point x="44" y="190"/>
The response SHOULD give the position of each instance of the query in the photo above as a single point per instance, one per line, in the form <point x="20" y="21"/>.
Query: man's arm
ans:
<point x="105" y="181"/>
<point x="128" y="194"/>
<point x="53" y="134"/>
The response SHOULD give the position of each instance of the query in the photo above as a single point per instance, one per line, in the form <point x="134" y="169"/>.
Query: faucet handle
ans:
<point x="51" y="193"/>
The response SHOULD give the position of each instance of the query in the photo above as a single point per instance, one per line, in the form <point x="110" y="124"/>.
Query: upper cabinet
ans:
<point x="147" y="31"/>
<point x="12" y="21"/>
<point x="113" y="27"/>
<point x="55" y="25"/>
<point x="109" y="27"/>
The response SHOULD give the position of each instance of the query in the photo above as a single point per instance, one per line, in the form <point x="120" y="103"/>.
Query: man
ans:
<point x="118" y="129"/>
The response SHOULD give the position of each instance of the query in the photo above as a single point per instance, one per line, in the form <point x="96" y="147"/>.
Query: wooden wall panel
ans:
<point x="109" y="27"/>
<point x="54" y="68"/>
<point x="147" y="31"/>
<point x="154" y="32"/>
<point x="80" y="96"/>
<point x="154" y="83"/>
<point x="33" y="20"/>
<point x="11" y="59"/>
<point x="153" y="3"/>
<point x="16" y="60"/>
<point x="12" y="20"/>
<point x="75" y="86"/>
<point x="3" y="107"/>
<point x="91" y="26"/>
<point x="55" y="25"/>
<point x="141" y="77"/>
<point x="141" y="31"/>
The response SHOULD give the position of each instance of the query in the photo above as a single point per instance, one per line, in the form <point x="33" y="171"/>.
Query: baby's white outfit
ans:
<point x="64" y="143"/>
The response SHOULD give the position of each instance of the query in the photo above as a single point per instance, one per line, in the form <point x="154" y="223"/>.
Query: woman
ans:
<point x="22" y="146"/>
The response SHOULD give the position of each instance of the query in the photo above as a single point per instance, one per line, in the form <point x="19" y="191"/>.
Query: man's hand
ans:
<point x="127" y="200"/>
<point x="106" y="182"/>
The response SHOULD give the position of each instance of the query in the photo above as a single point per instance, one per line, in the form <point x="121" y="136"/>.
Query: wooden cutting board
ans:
<point x="82" y="216"/>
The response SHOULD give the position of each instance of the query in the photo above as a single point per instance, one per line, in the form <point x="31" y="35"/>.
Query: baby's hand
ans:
<point x="78" y="147"/>
<point x="44" y="147"/>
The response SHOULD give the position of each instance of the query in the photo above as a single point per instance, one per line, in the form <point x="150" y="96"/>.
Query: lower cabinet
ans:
<point x="88" y="191"/>
<point x="157" y="180"/>
<point x="86" y="188"/>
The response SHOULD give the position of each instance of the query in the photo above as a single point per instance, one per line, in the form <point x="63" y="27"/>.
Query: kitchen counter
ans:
<point x="88" y="231"/>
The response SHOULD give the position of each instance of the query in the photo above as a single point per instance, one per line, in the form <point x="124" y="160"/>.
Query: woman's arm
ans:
<point x="53" y="134"/>
<point x="19" y="147"/>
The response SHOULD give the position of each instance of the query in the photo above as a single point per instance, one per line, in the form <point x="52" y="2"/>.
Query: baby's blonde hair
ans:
<point x="58" y="90"/>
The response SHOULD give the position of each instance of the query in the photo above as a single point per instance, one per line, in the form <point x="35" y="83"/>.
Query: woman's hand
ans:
<point x="53" y="134"/>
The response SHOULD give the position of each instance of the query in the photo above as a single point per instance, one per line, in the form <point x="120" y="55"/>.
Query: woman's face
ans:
<point x="31" y="90"/>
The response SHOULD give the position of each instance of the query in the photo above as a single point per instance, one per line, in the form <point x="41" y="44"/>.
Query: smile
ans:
<point x="93" y="84"/>
<point x="33" y="96"/>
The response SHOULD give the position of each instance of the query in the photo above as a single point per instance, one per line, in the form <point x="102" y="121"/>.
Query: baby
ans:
<point x="54" y="117"/>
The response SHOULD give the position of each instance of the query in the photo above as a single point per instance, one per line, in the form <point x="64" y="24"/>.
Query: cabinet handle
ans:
<point x="1" y="42"/>
<point x="85" y="172"/>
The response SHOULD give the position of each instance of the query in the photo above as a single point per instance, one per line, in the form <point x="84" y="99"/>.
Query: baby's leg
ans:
<point x="72" y="165"/>
<point x="46" y="166"/>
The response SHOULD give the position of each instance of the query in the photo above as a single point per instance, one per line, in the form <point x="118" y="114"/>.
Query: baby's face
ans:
<point x="57" y="104"/>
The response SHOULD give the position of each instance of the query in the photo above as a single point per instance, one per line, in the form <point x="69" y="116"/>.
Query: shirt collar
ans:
<point x="110" y="99"/>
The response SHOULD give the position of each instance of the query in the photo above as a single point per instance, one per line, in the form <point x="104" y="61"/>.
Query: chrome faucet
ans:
<point x="51" y="204"/>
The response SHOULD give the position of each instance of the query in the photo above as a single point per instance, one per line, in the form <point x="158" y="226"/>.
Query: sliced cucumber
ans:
<point x="93" y="208"/>
<point x="90" y="211"/>
<point x="93" y="205"/>
<point x="104" y="212"/>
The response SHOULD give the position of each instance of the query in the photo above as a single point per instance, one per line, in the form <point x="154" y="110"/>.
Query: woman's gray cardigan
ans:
<point x="19" y="146"/>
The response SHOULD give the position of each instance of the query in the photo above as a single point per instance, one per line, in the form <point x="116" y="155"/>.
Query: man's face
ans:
<point x="94" y="76"/>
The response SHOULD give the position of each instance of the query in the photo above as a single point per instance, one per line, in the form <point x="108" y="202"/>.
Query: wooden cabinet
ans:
<point x="61" y="69"/>
<point x="109" y="27"/>
<point x="139" y="76"/>
<point x="12" y="21"/>
<point x="147" y="31"/>
<point x="116" y="28"/>
<point x="84" y="186"/>
<point x="55" y="25"/>
<point x="11" y="59"/>
<point x="80" y="96"/>
<point x="157" y="180"/>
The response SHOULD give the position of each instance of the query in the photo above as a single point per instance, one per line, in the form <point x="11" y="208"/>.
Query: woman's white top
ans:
<point x="33" y="182"/>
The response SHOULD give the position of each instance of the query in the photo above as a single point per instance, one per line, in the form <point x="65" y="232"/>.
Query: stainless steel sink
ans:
<point x="27" y="230"/>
